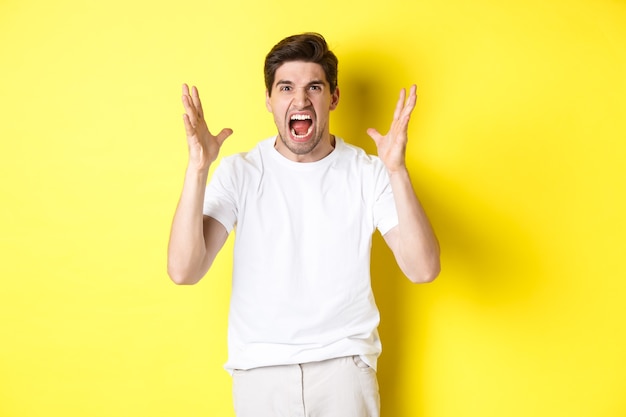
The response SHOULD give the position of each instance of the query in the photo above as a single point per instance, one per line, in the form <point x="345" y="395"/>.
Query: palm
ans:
<point x="203" y="146"/>
<point x="392" y="146"/>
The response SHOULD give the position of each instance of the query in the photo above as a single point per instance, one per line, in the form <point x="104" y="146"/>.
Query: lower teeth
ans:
<point x="293" y="132"/>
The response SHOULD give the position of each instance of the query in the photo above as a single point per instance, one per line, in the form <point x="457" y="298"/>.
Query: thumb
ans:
<point x="374" y="134"/>
<point x="221" y="137"/>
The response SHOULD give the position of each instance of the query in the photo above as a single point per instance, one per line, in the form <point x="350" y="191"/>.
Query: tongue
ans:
<point x="300" y="126"/>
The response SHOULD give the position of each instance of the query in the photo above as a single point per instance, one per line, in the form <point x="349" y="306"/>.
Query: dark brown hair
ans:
<point x="307" y="47"/>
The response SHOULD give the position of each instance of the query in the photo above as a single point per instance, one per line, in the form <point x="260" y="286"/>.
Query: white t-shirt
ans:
<point x="301" y="275"/>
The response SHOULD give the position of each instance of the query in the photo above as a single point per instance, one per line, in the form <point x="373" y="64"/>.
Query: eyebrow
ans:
<point x="287" y="82"/>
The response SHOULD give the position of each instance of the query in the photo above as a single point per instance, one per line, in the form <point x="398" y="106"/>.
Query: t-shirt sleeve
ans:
<point x="220" y="200"/>
<point x="385" y="213"/>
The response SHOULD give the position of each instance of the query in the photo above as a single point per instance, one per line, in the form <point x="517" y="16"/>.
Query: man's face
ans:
<point x="301" y="102"/>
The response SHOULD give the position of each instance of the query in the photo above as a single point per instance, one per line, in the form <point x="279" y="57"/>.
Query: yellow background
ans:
<point x="518" y="151"/>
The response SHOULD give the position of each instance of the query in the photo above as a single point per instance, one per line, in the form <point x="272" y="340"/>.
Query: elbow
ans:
<point x="182" y="280"/>
<point x="420" y="263"/>
<point x="425" y="272"/>
<point x="184" y="270"/>
<point x="426" y="276"/>
<point x="180" y="276"/>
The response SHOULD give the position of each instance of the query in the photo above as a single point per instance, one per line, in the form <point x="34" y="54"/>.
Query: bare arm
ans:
<point x="195" y="239"/>
<point x="412" y="241"/>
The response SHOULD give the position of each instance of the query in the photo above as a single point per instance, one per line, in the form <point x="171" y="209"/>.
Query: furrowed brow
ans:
<point x="284" y="82"/>
<point x="291" y="83"/>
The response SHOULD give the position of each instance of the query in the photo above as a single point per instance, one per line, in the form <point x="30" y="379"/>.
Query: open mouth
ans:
<point x="300" y="126"/>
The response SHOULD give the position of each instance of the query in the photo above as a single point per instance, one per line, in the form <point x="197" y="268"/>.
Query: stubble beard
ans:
<point x="302" y="148"/>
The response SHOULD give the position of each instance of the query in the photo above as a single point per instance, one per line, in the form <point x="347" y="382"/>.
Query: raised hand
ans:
<point x="203" y="146"/>
<point x="392" y="146"/>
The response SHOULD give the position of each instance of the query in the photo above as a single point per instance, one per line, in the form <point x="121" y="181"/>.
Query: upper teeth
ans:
<point x="300" y="117"/>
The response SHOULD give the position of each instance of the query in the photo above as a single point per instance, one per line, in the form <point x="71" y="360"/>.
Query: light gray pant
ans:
<point x="342" y="387"/>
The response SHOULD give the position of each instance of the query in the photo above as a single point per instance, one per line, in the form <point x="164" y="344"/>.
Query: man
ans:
<point x="302" y="336"/>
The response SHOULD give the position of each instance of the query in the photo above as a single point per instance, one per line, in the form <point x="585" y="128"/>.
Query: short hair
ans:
<point x="307" y="47"/>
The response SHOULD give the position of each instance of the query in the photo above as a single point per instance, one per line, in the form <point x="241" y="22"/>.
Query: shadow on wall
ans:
<point x="369" y="83"/>
<point x="497" y="262"/>
<point x="480" y="240"/>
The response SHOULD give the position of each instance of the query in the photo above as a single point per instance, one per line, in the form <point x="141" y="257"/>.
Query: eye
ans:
<point x="284" y="88"/>
<point x="315" y="88"/>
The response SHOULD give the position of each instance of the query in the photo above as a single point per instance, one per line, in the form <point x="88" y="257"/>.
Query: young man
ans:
<point x="303" y="324"/>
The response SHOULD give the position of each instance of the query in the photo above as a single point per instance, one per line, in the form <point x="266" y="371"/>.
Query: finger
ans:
<point x="221" y="137"/>
<point x="190" y="110"/>
<point x="399" y="104"/>
<point x="189" y="129"/>
<point x="195" y="97"/>
<point x="408" y="107"/>
<point x="374" y="134"/>
<point x="188" y="103"/>
<point x="410" y="103"/>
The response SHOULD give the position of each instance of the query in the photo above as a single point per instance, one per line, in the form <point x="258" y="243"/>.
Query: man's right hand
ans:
<point x="203" y="146"/>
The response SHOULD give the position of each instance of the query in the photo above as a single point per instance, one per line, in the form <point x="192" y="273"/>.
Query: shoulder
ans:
<point x="368" y="169"/>
<point x="249" y="159"/>
<point x="357" y="155"/>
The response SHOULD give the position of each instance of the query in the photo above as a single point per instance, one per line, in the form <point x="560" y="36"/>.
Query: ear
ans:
<point x="334" y="99"/>
<point x="268" y="105"/>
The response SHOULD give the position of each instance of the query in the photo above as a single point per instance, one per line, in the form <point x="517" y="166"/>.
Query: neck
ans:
<point x="320" y="151"/>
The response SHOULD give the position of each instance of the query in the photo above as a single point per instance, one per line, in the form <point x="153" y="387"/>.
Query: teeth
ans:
<point x="293" y="132"/>
<point x="300" y="117"/>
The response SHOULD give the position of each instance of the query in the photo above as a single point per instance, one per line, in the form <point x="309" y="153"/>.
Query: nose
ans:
<point x="301" y="97"/>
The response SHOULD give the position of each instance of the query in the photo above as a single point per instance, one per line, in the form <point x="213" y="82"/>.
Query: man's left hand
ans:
<point x="392" y="146"/>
